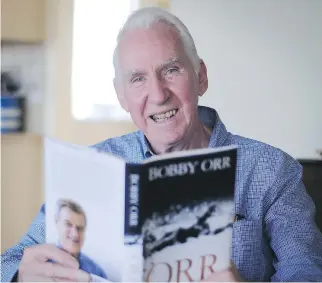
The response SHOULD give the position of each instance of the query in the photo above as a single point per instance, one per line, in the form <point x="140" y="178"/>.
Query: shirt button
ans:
<point x="148" y="154"/>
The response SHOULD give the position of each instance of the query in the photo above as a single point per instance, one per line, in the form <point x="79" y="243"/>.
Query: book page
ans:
<point x="191" y="152"/>
<point x="84" y="193"/>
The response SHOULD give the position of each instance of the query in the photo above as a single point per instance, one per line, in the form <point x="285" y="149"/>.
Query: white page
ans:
<point x="96" y="181"/>
<point x="190" y="152"/>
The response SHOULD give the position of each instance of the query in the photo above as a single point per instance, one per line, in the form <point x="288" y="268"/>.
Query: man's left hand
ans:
<point x="230" y="274"/>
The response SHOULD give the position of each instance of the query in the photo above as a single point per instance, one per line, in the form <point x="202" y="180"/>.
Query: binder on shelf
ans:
<point x="13" y="114"/>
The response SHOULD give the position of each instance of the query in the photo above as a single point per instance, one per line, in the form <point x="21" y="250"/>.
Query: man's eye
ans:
<point x="137" y="80"/>
<point x="171" y="71"/>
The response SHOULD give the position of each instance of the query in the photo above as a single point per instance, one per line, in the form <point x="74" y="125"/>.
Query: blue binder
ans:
<point x="13" y="114"/>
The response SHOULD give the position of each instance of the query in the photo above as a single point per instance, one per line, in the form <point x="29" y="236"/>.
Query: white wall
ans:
<point x="264" y="61"/>
<point x="59" y="121"/>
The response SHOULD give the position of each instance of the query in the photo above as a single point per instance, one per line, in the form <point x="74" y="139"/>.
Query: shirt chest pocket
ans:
<point x="248" y="249"/>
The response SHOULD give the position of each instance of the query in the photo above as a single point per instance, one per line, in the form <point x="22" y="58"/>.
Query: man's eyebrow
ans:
<point x="169" y="62"/>
<point x="134" y="73"/>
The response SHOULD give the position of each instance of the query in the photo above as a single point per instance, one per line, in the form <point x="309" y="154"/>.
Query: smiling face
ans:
<point x="158" y="86"/>
<point x="71" y="230"/>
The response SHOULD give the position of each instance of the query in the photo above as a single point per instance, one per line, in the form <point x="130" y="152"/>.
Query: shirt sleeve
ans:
<point x="293" y="233"/>
<point x="96" y="278"/>
<point x="10" y="259"/>
<point x="102" y="273"/>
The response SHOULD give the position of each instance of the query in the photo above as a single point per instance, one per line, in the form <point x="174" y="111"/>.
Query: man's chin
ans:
<point x="72" y="251"/>
<point x="165" y="141"/>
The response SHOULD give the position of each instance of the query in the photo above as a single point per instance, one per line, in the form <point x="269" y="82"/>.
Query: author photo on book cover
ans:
<point x="71" y="223"/>
<point x="160" y="75"/>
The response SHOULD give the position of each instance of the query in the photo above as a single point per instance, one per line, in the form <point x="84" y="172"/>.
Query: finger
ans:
<point x="50" y="252"/>
<point x="235" y="271"/>
<point x="56" y="279"/>
<point x="53" y="270"/>
<point x="33" y="278"/>
<point x="222" y="276"/>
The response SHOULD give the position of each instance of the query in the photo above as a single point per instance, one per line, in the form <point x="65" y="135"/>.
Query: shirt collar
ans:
<point x="210" y="118"/>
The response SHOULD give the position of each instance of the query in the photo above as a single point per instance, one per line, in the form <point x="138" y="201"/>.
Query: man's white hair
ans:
<point x="148" y="16"/>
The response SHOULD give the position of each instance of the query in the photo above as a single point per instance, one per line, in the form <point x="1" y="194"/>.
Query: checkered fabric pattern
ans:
<point x="276" y="241"/>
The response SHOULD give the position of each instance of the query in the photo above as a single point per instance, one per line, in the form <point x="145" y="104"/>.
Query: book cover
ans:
<point x="187" y="216"/>
<point x="168" y="219"/>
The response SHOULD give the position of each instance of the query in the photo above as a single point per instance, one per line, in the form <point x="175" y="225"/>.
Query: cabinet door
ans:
<point x="21" y="185"/>
<point x="159" y="3"/>
<point x="23" y="20"/>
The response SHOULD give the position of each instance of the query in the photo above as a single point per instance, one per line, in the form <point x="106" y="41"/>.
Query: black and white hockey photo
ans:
<point x="187" y="225"/>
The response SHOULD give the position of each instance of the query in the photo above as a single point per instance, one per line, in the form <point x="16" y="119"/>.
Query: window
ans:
<point x="95" y="27"/>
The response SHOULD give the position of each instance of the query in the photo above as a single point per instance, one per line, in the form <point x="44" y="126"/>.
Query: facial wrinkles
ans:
<point x="154" y="81"/>
<point x="166" y="101"/>
<point x="162" y="67"/>
<point x="172" y="86"/>
<point x="151" y="53"/>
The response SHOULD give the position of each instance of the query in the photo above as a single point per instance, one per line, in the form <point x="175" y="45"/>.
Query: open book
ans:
<point x="167" y="219"/>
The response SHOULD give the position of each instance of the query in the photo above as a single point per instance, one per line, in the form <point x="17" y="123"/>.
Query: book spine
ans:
<point x="133" y="261"/>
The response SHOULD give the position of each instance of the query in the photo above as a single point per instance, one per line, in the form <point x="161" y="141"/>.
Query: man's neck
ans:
<point x="199" y="138"/>
<point x="75" y="255"/>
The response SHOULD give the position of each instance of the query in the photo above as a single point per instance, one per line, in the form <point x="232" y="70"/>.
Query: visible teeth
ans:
<point x="165" y="115"/>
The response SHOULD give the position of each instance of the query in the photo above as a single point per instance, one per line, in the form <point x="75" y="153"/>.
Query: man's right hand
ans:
<point x="34" y="265"/>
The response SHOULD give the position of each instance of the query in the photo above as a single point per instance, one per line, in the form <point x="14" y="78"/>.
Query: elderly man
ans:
<point x="158" y="79"/>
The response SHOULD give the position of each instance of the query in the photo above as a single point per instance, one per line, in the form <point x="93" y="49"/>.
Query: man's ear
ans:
<point x="203" y="78"/>
<point x="120" y="94"/>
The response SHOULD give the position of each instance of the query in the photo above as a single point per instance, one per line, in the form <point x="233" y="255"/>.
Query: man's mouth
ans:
<point x="74" y="242"/>
<point x="164" y="116"/>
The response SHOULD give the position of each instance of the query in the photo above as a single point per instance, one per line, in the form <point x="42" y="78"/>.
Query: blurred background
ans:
<point x="264" y="64"/>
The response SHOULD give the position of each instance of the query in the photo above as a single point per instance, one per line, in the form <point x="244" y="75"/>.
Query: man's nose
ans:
<point x="157" y="92"/>
<point x="74" y="233"/>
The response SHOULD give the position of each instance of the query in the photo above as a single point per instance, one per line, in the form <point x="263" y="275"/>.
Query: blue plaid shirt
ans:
<point x="277" y="240"/>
